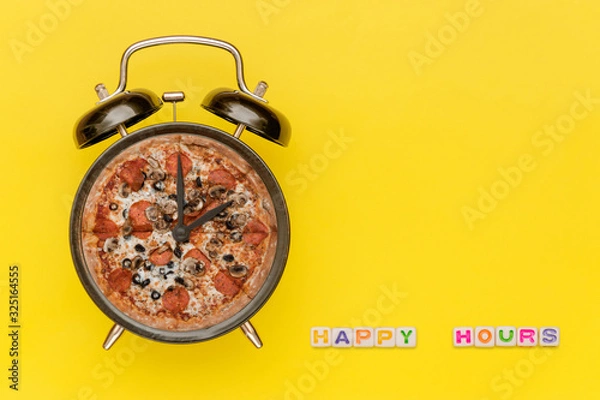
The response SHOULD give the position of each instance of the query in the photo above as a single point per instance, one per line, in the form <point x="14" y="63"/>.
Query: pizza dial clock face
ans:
<point x="179" y="232"/>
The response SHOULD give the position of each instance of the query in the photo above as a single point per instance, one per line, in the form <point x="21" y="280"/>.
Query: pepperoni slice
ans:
<point x="222" y="177"/>
<point x="132" y="173"/>
<point x="142" y="235"/>
<point x="163" y="258"/>
<point x="175" y="299"/>
<point x="105" y="228"/>
<point x="255" y="232"/>
<point x="102" y="211"/>
<point x="137" y="214"/>
<point x="171" y="166"/>
<point x="119" y="280"/>
<point x="198" y="255"/>
<point x="227" y="285"/>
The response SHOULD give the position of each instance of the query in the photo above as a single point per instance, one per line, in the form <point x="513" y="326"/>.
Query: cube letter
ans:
<point x="320" y="336"/>
<point x="484" y="336"/>
<point x="506" y="336"/>
<point x="385" y="337"/>
<point x="549" y="336"/>
<point x="406" y="336"/>
<point x="527" y="337"/>
<point x="462" y="336"/>
<point x="363" y="337"/>
<point x="341" y="337"/>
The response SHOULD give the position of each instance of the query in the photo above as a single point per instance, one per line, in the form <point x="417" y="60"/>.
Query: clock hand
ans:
<point x="207" y="216"/>
<point x="180" y="232"/>
<point x="180" y="192"/>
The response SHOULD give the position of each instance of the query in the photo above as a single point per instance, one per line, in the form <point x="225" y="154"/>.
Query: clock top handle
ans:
<point x="181" y="39"/>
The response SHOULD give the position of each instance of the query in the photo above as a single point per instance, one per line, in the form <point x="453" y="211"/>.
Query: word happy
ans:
<point x="363" y="337"/>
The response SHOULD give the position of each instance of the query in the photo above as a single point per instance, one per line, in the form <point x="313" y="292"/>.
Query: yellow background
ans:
<point x="382" y="212"/>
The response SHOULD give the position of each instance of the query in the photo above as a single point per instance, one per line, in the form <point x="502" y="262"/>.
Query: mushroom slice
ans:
<point x="152" y="213"/>
<point x="194" y="266"/>
<point x="124" y="190"/>
<point x="216" y="191"/>
<point x="110" y="245"/>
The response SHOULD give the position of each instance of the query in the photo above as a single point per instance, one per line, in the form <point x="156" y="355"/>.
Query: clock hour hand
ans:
<point x="207" y="216"/>
<point x="181" y="233"/>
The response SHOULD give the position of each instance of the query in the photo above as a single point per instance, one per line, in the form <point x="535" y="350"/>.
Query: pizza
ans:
<point x="128" y="245"/>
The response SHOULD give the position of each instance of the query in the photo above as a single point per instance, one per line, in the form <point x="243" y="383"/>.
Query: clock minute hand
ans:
<point x="180" y="192"/>
<point x="207" y="216"/>
<point x="180" y="232"/>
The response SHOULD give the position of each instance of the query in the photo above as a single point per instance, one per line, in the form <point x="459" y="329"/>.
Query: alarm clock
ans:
<point x="179" y="231"/>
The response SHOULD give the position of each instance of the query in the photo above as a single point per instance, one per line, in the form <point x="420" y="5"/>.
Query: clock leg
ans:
<point x="251" y="334"/>
<point x="113" y="335"/>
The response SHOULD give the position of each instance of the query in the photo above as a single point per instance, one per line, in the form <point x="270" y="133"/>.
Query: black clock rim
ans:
<point x="279" y="261"/>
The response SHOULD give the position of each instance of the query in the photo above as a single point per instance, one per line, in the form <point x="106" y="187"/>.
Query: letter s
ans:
<point x="293" y="179"/>
<point x="549" y="336"/>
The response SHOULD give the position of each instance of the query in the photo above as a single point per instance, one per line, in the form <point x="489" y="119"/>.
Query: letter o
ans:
<point x="48" y="22"/>
<point x="485" y="336"/>
<point x="524" y="374"/>
<point x="126" y="361"/>
<point x="565" y="124"/>
<point x="500" y="189"/>
<point x="445" y="38"/>
<point x="319" y="163"/>
<point x="311" y="383"/>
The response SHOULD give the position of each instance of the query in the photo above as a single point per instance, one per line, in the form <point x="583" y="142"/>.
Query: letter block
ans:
<point x="406" y="336"/>
<point x="506" y="336"/>
<point x="462" y="336"/>
<point x="342" y="337"/>
<point x="549" y="336"/>
<point x="363" y="337"/>
<point x="527" y="337"/>
<point x="484" y="336"/>
<point x="385" y="337"/>
<point x="320" y="336"/>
